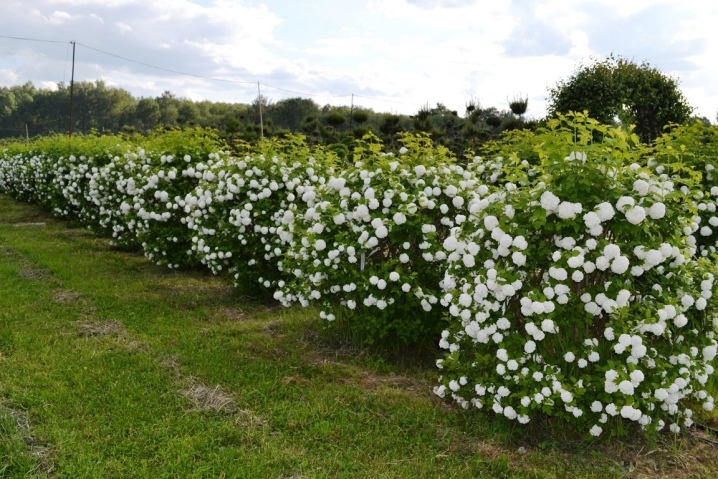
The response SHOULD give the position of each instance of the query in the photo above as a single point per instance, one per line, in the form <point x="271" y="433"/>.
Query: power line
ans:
<point x="165" y="69"/>
<point x="32" y="39"/>
<point x="177" y="72"/>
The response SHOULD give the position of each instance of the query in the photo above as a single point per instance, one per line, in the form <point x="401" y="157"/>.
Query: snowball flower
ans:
<point x="548" y="325"/>
<point x="518" y="258"/>
<point x="635" y="215"/>
<point x="657" y="211"/>
<point x="567" y="210"/>
<point x="605" y="211"/>
<point x="520" y="242"/>
<point x="591" y="219"/>
<point x="680" y="320"/>
<point x="558" y="274"/>
<point x="611" y="251"/>
<point x="637" y="377"/>
<point x="549" y="201"/>
<point x="491" y="222"/>
<point x="624" y="202"/>
<point x="641" y="187"/>
<point x="620" y="265"/>
<point x="626" y="387"/>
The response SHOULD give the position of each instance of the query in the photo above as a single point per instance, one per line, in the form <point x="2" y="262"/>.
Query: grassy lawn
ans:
<point x="111" y="367"/>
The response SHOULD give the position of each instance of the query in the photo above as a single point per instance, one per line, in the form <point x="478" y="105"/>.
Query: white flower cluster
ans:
<point x="242" y="213"/>
<point x="568" y="300"/>
<point x="371" y="245"/>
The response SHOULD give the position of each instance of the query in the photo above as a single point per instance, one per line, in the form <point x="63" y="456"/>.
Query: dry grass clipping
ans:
<point x="64" y="296"/>
<point x="42" y="450"/>
<point x="209" y="399"/>
<point x="98" y="329"/>
<point x="34" y="273"/>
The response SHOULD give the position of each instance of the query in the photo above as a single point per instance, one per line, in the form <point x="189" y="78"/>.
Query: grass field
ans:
<point x="111" y="367"/>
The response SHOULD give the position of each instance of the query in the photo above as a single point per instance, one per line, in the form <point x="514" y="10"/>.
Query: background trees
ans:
<point x="613" y="91"/>
<point x="616" y="90"/>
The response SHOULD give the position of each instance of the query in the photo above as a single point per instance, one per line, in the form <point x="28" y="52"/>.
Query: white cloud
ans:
<point x="8" y="76"/>
<point x="123" y="28"/>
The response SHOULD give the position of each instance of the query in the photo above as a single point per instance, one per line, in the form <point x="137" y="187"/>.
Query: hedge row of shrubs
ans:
<point x="568" y="273"/>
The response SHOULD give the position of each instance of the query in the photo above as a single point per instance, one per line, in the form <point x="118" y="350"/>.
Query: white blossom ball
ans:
<point x="635" y="215"/>
<point x="605" y="211"/>
<point x="641" y="187"/>
<point x="520" y="242"/>
<point x="626" y="387"/>
<point x="657" y="211"/>
<point x="549" y="201"/>
<point x="518" y="258"/>
<point x="399" y="218"/>
<point x="620" y="265"/>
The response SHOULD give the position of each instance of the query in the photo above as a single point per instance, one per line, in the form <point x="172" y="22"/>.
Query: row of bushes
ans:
<point x="569" y="272"/>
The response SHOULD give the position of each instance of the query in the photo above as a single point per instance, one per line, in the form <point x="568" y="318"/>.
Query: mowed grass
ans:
<point x="111" y="367"/>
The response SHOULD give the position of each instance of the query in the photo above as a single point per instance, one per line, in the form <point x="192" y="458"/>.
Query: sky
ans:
<point x="392" y="55"/>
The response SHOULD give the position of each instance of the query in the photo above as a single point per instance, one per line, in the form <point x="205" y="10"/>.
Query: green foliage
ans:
<point x="619" y="89"/>
<point x="688" y="154"/>
<point x="574" y="288"/>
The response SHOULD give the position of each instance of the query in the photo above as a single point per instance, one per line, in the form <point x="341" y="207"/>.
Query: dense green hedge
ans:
<point x="568" y="273"/>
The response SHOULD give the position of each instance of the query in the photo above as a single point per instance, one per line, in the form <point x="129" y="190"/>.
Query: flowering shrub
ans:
<point x="368" y="249"/>
<point x="690" y="152"/>
<point x="22" y="174"/>
<point x="145" y="192"/>
<point x="238" y="210"/>
<point x="578" y="294"/>
<point x="568" y="269"/>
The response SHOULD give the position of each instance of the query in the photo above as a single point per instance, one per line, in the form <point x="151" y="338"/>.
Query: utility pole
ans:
<point x="351" y="114"/>
<point x="72" y="88"/>
<point x="259" y="104"/>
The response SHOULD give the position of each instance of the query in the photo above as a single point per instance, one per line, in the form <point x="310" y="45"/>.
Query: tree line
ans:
<point x="26" y="110"/>
<point x="613" y="90"/>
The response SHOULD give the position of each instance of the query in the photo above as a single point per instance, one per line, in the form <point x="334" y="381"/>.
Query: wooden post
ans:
<point x="72" y="88"/>
<point x="259" y="105"/>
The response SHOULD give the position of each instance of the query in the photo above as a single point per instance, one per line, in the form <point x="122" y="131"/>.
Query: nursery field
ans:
<point x="111" y="366"/>
<point x="546" y="308"/>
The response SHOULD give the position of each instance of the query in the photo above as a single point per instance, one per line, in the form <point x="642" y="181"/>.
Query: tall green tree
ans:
<point x="616" y="90"/>
<point x="291" y="112"/>
<point x="169" y="109"/>
<point x="148" y="113"/>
